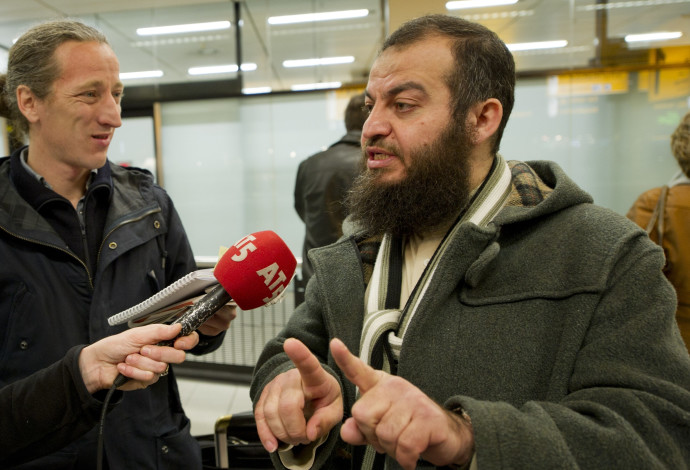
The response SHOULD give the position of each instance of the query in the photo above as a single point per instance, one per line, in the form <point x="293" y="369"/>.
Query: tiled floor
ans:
<point x="204" y="402"/>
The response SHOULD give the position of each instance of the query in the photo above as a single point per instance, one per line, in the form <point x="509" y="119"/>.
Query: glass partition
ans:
<point x="230" y="164"/>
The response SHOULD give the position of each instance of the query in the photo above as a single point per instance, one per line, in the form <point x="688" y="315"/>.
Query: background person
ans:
<point x="496" y="317"/>
<point x="82" y="239"/>
<point x="322" y="182"/>
<point x="665" y="213"/>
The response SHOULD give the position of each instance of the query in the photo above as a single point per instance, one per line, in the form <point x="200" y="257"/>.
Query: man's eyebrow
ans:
<point x="400" y="88"/>
<point x="404" y="87"/>
<point x="99" y="84"/>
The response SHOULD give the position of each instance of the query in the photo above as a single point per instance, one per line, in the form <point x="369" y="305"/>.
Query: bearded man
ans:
<point x="498" y="319"/>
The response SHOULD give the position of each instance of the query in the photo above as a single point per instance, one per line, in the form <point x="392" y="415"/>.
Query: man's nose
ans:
<point x="377" y="124"/>
<point x="110" y="112"/>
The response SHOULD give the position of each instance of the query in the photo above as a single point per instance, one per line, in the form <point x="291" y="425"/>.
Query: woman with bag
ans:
<point x="665" y="213"/>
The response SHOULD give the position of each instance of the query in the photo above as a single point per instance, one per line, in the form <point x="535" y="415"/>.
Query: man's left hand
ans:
<point x="220" y="321"/>
<point x="397" y="418"/>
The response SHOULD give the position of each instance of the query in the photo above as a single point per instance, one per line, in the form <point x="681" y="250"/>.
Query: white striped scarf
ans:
<point x="378" y="320"/>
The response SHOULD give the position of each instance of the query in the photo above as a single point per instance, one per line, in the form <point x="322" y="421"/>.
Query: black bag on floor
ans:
<point x="235" y="445"/>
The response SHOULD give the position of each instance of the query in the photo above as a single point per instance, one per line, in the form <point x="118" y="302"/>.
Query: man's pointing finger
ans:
<point x="356" y="371"/>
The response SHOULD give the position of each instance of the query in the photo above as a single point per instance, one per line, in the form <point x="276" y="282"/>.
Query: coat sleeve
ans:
<point x="628" y="398"/>
<point x="47" y="410"/>
<point x="299" y="192"/>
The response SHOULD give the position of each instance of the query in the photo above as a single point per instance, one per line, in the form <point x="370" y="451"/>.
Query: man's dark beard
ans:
<point x="432" y="194"/>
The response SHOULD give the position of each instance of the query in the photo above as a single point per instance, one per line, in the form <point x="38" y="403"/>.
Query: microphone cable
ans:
<point x="101" y="425"/>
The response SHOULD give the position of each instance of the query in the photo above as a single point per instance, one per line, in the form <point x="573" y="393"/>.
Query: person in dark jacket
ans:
<point x="82" y="239"/>
<point x="322" y="182"/>
<point x="477" y="312"/>
<point x="52" y="407"/>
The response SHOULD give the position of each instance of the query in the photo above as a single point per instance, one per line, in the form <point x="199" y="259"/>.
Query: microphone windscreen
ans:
<point x="256" y="269"/>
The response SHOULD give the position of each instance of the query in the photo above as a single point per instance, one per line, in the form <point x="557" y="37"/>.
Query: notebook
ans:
<point x="169" y="302"/>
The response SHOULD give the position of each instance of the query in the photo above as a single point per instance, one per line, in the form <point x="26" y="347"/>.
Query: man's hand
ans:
<point x="220" y="321"/>
<point x="300" y="405"/>
<point x="397" y="418"/>
<point x="134" y="354"/>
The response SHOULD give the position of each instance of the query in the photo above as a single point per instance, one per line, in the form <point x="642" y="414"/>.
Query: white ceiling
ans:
<point x="268" y="46"/>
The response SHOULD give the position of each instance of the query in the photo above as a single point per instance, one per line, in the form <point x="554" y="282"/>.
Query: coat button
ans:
<point x="23" y="345"/>
<point x="156" y="224"/>
<point x="112" y="245"/>
<point x="164" y="449"/>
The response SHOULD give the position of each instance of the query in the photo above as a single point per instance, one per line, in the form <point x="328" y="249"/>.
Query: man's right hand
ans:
<point x="300" y="405"/>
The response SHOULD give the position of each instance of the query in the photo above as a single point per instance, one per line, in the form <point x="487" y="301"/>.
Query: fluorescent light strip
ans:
<point x="143" y="74"/>
<point x="316" y="86"/>
<point x="528" y="46"/>
<point x="652" y="36"/>
<point x="325" y="16"/>
<point x="256" y="90"/>
<point x="176" y="40"/>
<point x="183" y="28"/>
<point x="316" y="62"/>
<point x="213" y="69"/>
<point x="461" y="5"/>
<point x="497" y="15"/>
<point x="629" y="4"/>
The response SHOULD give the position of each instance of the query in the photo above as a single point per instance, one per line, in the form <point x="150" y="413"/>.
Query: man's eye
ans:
<point x="403" y="106"/>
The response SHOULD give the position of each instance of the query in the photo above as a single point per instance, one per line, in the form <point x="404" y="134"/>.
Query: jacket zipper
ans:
<point x="100" y="249"/>
<point x="124" y="222"/>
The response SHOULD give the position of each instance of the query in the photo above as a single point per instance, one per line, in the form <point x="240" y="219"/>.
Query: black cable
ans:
<point x="101" y="425"/>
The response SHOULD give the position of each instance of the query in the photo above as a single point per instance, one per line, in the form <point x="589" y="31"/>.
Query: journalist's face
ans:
<point x="410" y="106"/>
<point x="76" y="121"/>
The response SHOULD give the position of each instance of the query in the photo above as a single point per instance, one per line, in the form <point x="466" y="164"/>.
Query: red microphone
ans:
<point x="256" y="270"/>
<point x="253" y="272"/>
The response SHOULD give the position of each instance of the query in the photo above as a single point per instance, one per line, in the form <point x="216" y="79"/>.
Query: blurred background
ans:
<point x="270" y="37"/>
<point x="224" y="99"/>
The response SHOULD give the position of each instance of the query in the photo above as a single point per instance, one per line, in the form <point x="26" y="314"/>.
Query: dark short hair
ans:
<point x="484" y="69"/>
<point x="355" y="113"/>
<point x="32" y="63"/>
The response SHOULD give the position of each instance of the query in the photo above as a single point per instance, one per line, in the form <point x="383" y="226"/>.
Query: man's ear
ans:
<point x="484" y="119"/>
<point x="27" y="103"/>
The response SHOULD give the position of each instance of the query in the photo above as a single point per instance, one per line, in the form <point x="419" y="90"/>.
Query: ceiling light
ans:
<point x="183" y="28"/>
<point x="316" y="86"/>
<point x="463" y="4"/>
<point x="628" y="4"/>
<point x="230" y="68"/>
<point x="652" y="36"/>
<point x="256" y="90"/>
<point x="143" y="74"/>
<point x="325" y="16"/>
<point x="528" y="46"/>
<point x="315" y="62"/>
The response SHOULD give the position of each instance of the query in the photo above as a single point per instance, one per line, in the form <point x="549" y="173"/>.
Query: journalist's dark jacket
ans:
<point x="553" y="327"/>
<point x="49" y="302"/>
<point x="47" y="410"/>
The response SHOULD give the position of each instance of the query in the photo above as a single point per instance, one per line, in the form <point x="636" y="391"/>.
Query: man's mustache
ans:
<point x="381" y="144"/>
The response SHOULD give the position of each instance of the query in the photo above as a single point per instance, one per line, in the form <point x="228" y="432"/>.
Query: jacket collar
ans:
<point x="351" y="138"/>
<point x="36" y="192"/>
<point x="538" y="188"/>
